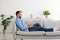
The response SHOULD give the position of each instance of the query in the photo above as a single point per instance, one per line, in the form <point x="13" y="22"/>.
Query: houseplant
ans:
<point x="46" y="13"/>
<point x="5" y="21"/>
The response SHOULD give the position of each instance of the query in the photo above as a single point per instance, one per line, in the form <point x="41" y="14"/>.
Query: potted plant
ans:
<point x="46" y="13"/>
<point x="5" y="21"/>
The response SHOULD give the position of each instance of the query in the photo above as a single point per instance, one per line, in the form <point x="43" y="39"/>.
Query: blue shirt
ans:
<point x="21" y="24"/>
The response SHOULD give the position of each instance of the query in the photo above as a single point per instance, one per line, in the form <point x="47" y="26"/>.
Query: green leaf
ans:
<point x="5" y="22"/>
<point x="11" y="17"/>
<point x="2" y="16"/>
<point x="46" y="12"/>
<point x="8" y="18"/>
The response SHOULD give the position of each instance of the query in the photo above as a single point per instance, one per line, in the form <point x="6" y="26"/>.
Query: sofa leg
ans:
<point x="21" y="39"/>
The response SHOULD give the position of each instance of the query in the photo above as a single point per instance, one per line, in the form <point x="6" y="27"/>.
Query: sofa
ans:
<point x="18" y="34"/>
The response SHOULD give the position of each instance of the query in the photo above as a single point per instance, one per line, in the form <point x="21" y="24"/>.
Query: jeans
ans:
<point x="37" y="27"/>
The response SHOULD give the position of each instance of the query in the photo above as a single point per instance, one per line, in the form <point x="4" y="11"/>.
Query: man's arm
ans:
<point x="31" y="25"/>
<point x="18" y="22"/>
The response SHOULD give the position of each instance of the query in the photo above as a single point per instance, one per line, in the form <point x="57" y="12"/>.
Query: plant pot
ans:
<point x="4" y="31"/>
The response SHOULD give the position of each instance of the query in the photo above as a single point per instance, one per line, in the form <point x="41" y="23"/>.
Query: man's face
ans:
<point x="20" y="14"/>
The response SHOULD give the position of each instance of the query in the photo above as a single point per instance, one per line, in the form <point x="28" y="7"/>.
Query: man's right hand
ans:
<point x="31" y="25"/>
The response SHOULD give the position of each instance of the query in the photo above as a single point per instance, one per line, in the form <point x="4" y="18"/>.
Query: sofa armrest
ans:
<point x="14" y="31"/>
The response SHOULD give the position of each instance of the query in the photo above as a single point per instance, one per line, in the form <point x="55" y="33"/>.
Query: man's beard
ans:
<point x="19" y="17"/>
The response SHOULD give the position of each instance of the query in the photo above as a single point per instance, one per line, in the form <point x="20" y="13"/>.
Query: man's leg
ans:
<point x="46" y="29"/>
<point x="37" y="27"/>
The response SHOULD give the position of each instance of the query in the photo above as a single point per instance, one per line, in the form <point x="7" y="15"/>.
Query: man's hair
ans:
<point x="17" y="12"/>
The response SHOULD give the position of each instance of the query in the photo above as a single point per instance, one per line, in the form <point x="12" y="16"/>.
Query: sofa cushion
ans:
<point x="35" y="33"/>
<point x="56" y="33"/>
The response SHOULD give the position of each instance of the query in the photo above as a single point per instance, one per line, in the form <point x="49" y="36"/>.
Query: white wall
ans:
<point x="34" y="7"/>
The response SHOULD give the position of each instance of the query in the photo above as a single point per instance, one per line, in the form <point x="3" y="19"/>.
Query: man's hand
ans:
<point x="31" y="25"/>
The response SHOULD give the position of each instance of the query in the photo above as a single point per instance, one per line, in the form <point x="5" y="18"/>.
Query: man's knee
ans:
<point x="37" y="24"/>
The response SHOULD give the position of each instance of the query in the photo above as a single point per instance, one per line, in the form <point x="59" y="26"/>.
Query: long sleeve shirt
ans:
<point x="21" y="24"/>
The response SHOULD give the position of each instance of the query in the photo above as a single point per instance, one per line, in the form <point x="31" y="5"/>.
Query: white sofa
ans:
<point x="27" y="35"/>
<point x="37" y="34"/>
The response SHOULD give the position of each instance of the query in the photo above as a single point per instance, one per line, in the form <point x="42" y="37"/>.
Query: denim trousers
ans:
<point x="38" y="27"/>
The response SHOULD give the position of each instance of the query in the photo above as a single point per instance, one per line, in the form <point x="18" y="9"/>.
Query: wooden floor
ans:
<point x="6" y="37"/>
<point x="10" y="37"/>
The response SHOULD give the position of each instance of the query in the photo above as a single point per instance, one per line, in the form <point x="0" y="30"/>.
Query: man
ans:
<point x="32" y="27"/>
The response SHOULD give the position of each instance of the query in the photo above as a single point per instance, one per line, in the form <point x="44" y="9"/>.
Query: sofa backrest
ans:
<point x="47" y="23"/>
<point x="51" y="24"/>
